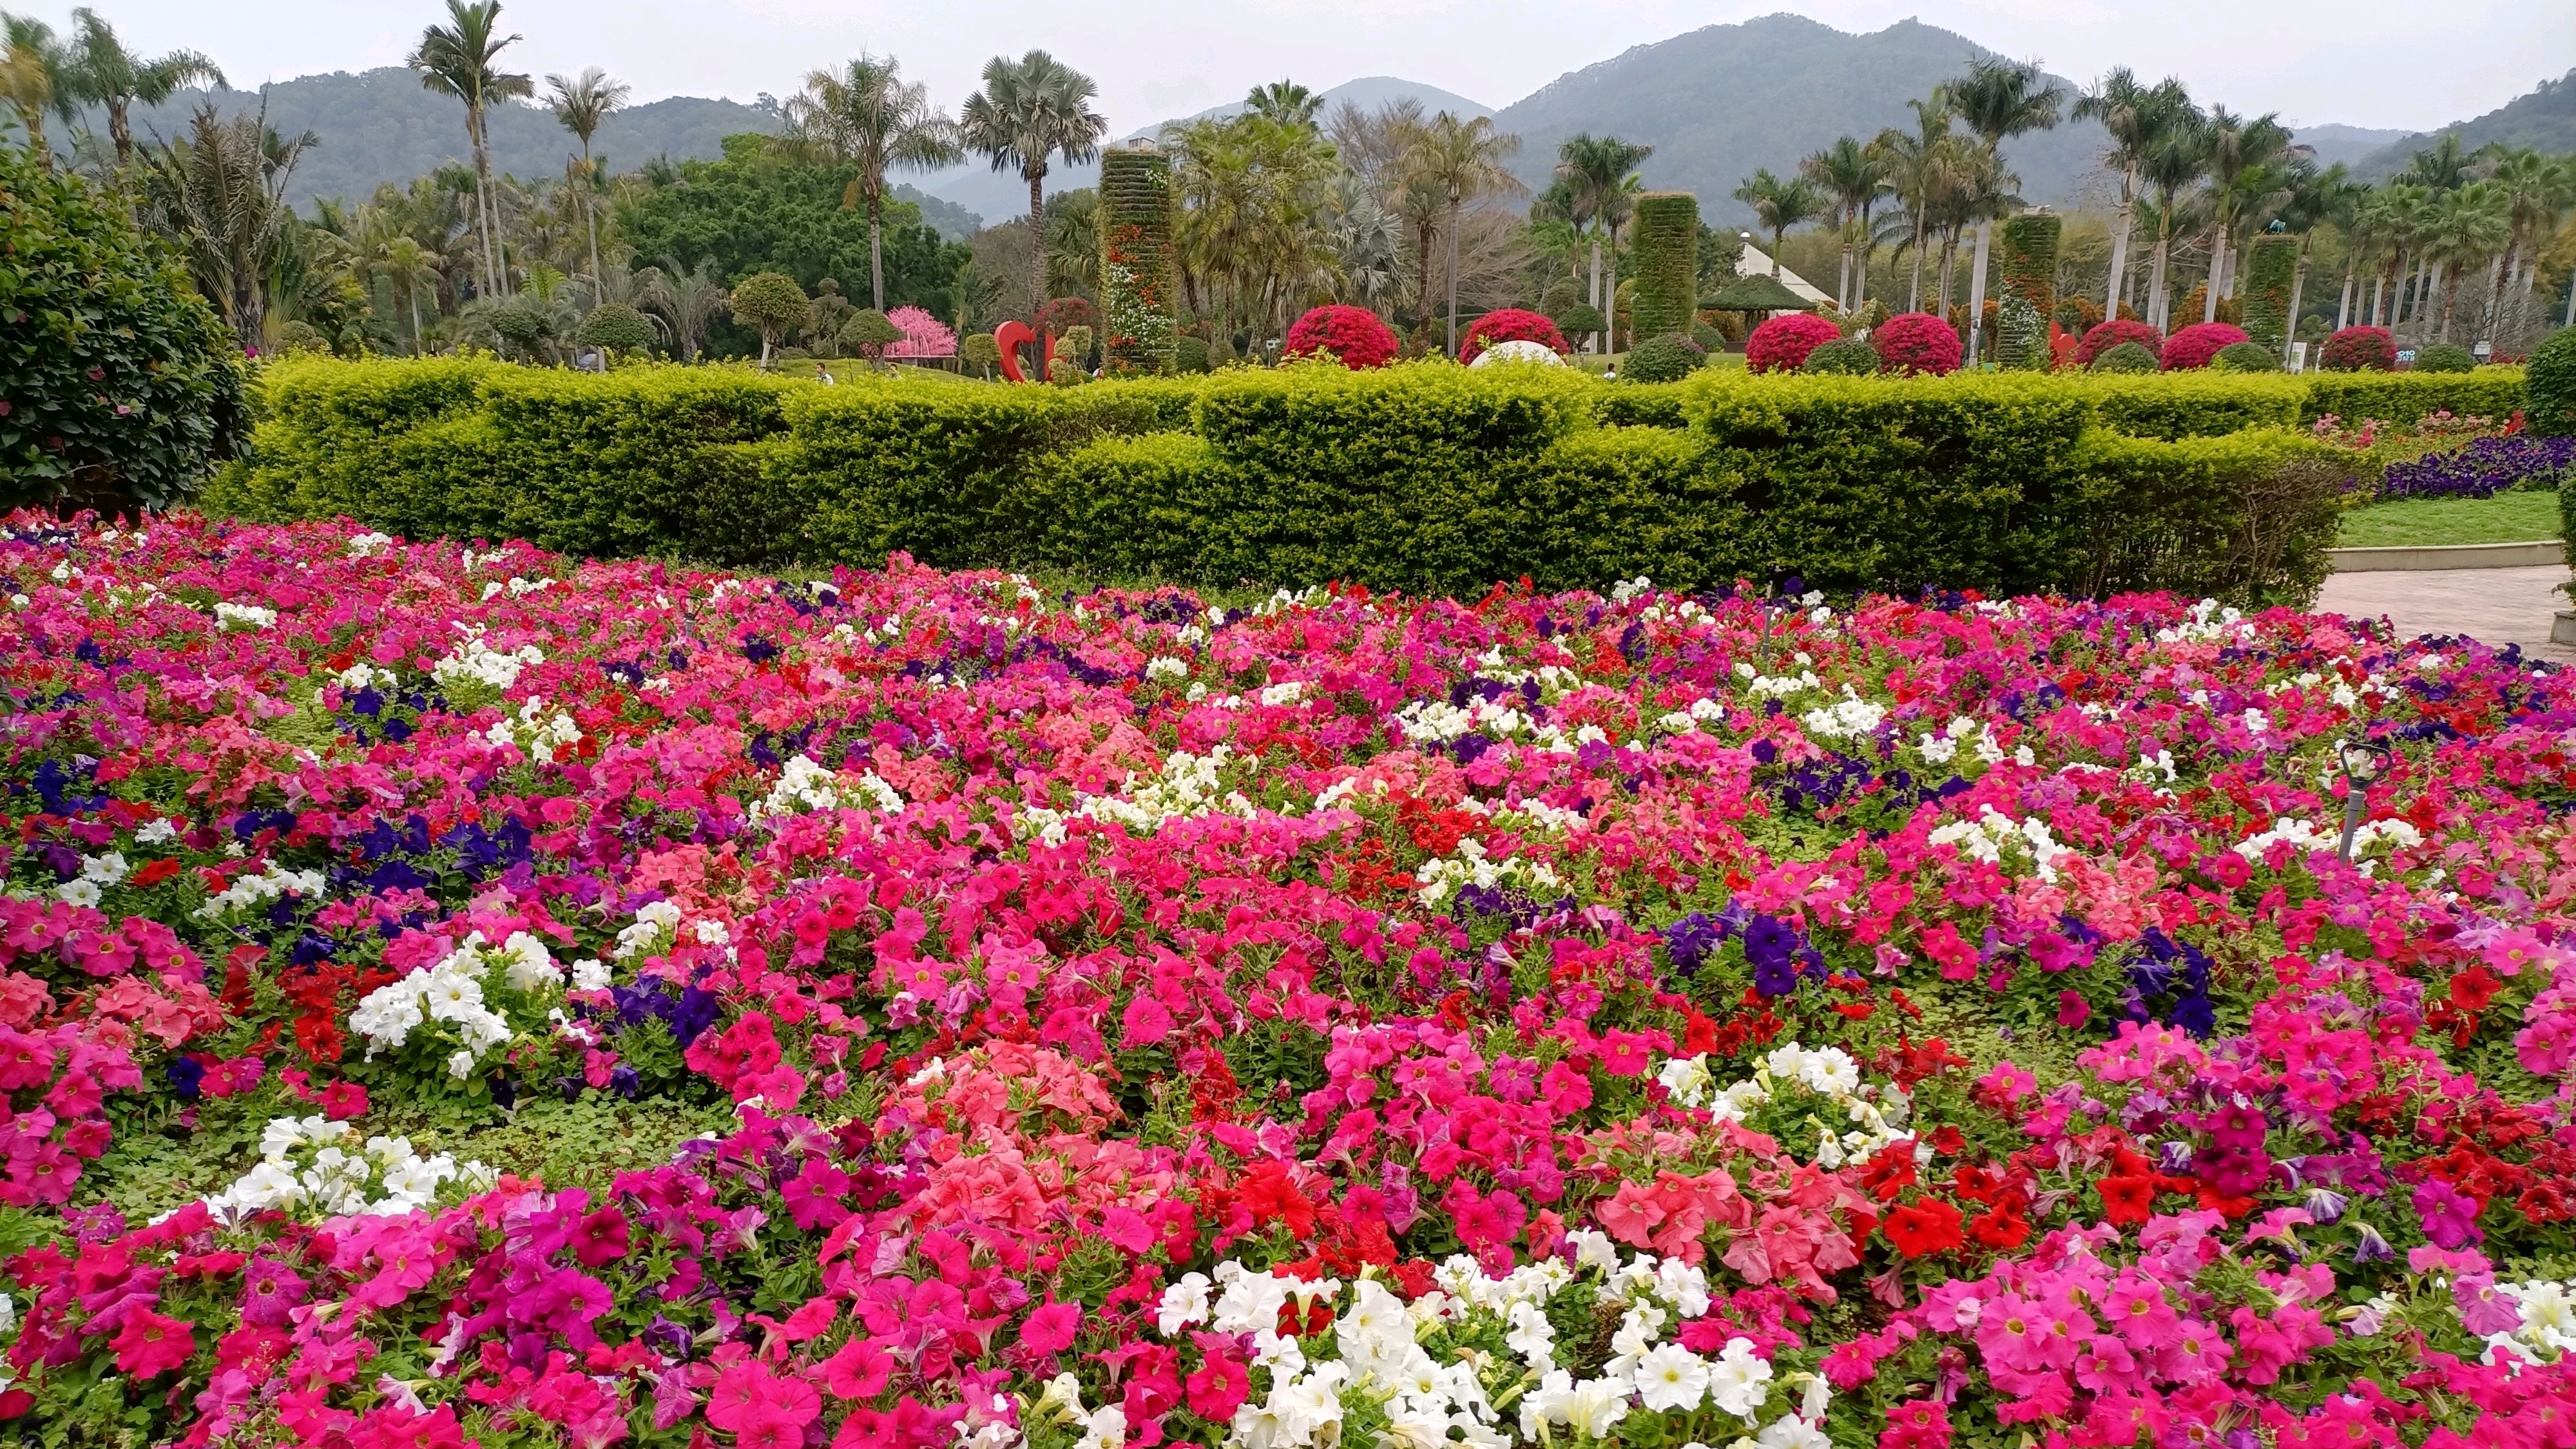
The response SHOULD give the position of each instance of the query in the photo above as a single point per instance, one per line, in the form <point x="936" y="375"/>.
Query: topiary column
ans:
<point x="2027" y="267"/>
<point x="1139" y="272"/>
<point x="1665" y="235"/>
<point x="2271" y="264"/>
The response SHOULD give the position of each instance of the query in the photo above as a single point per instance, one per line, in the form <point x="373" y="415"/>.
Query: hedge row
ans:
<point x="1420" y="477"/>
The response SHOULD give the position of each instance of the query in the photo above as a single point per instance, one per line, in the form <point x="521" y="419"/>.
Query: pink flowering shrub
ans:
<point x="2103" y="336"/>
<point x="1781" y="343"/>
<point x="2195" y="345"/>
<point x="1352" y="334"/>
<point x="923" y="335"/>
<point x="1509" y="324"/>
<point x="1917" y="342"/>
<point x="1128" y="1018"/>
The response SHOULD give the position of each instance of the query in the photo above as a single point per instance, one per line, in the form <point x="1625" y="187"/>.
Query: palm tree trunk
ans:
<point x="120" y="131"/>
<point x="483" y="201"/>
<point x="411" y="294"/>
<point x="1977" y="289"/>
<point x="1037" y="246"/>
<point x="2378" y="300"/>
<point x="2298" y="283"/>
<point x="2156" y="280"/>
<point x="2343" y="309"/>
<point x="1949" y="266"/>
<point x="2217" y="275"/>
<point x="1600" y="340"/>
<point x="2450" y="299"/>
<point x="876" y="253"/>
<point x="1914" y="294"/>
<point x="2116" y="289"/>
<point x="590" y="216"/>
<point x="1610" y="296"/>
<point x="1453" y="280"/>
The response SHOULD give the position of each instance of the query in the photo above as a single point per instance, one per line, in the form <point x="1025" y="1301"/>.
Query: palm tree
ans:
<point x="32" y="79"/>
<point x="1919" y="170"/>
<point x="100" y="71"/>
<point x="866" y="118"/>
<point x="2537" y="192"/>
<point x="1030" y="111"/>
<point x="2469" y="226"/>
<point x="1462" y="161"/>
<point x="2141" y="119"/>
<point x="581" y="104"/>
<point x="409" y="266"/>
<point x="1598" y="172"/>
<point x="1854" y="176"/>
<point x="1998" y="100"/>
<point x="1780" y="205"/>
<point x="2170" y="167"/>
<point x="690" y="301"/>
<point x="219" y="193"/>
<point x="458" y="59"/>
<point x="1284" y="101"/>
<point x="2249" y="161"/>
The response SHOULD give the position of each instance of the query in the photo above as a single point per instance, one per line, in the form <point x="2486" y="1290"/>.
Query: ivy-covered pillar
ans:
<point x="1139" y="273"/>
<point x="1665" y="236"/>
<point x="2270" y="263"/>
<point x="2027" y="268"/>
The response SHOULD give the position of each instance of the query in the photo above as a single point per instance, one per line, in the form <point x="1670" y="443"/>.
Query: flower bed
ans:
<point x="1122" y="1019"/>
<point x="2483" y="468"/>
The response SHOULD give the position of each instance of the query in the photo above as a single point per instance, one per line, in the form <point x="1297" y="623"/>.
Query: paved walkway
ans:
<point x="2498" y="606"/>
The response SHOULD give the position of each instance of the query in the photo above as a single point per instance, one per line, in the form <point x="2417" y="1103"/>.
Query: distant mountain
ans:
<point x="1721" y="101"/>
<point x="2347" y="144"/>
<point x="1002" y="195"/>
<point x="380" y="125"/>
<point x="2544" y="119"/>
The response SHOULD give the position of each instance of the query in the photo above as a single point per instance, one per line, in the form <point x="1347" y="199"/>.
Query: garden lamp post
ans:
<point x="2363" y="761"/>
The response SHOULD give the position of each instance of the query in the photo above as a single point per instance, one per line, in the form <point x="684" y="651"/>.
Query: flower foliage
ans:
<point x="2483" y="468"/>
<point x="2199" y="344"/>
<point x="1633" y="1018"/>
<point x="1781" y="343"/>
<point x="1917" y="342"/>
<point x="1352" y="334"/>
<point x="2103" y="336"/>
<point x="1509" y="324"/>
<point x="923" y="335"/>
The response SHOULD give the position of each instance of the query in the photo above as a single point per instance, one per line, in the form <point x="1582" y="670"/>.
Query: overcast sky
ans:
<point x="2360" y="62"/>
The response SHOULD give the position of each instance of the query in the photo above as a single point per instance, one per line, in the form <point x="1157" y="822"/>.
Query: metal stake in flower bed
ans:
<point x="2363" y="761"/>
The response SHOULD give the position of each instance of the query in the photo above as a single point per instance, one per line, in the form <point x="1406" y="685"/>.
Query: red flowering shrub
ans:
<point x="2103" y="336"/>
<point x="1782" y="343"/>
<point x="2359" y="349"/>
<point x="1353" y="334"/>
<point x="2195" y="345"/>
<point x="1054" y="317"/>
<point x="1509" y="324"/>
<point x="1913" y="342"/>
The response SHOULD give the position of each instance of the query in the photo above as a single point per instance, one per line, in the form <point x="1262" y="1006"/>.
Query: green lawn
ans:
<point x="2505" y="518"/>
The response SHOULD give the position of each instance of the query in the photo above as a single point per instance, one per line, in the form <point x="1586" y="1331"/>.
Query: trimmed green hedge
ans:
<point x="2404" y="397"/>
<point x="1420" y="476"/>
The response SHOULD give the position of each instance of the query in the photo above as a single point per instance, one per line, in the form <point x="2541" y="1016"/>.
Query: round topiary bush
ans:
<point x="2246" y="357"/>
<point x="869" y="332"/>
<point x="1580" y="320"/>
<point x="2126" y="357"/>
<point x="617" y="327"/>
<point x="2445" y="357"/>
<point x="2550" y="385"/>
<point x="2197" y="345"/>
<point x="1916" y="342"/>
<point x="2103" y="336"/>
<point x="1509" y="324"/>
<point x="1782" y="343"/>
<point x="978" y="353"/>
<point x="119" y="388"/>
<point x="1352" y="334"/>
<point x="1189" y="353"/>
<point x="2359" y="349"/>
<point x="1668" y="358"/>
<point x="1844" y="356"/>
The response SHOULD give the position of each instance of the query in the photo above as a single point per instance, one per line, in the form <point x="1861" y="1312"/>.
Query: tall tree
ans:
<point x="2469" y="227"/>
<point x="865" y="117"/>
<point x="1998" y="100"/>
<point x="2538" y="190"/>
<point x="2249" y="161"/>
<point x="1780" y="204"/>
<point x="100" y="71"/>
<point x="1921" y="167"/>
<point x="2140" y="118"/>
<point x="1596" y="172"/>
<point x="1285" y="102"/>
<point x="1462" y="161"/>
<point x="690" y="301"/>
<point x="1030" y="112"/>
<point x="32" y="65"/>
<point x="2177" y="160"/>
<point x="580" y="104"/>
<point x="1854" y="176"/>
<point x="218" y="191"/>
<point x="461" y="59"/>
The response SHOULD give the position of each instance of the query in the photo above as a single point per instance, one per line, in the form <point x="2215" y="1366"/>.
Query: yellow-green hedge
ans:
<point x="1422" y="476"/>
